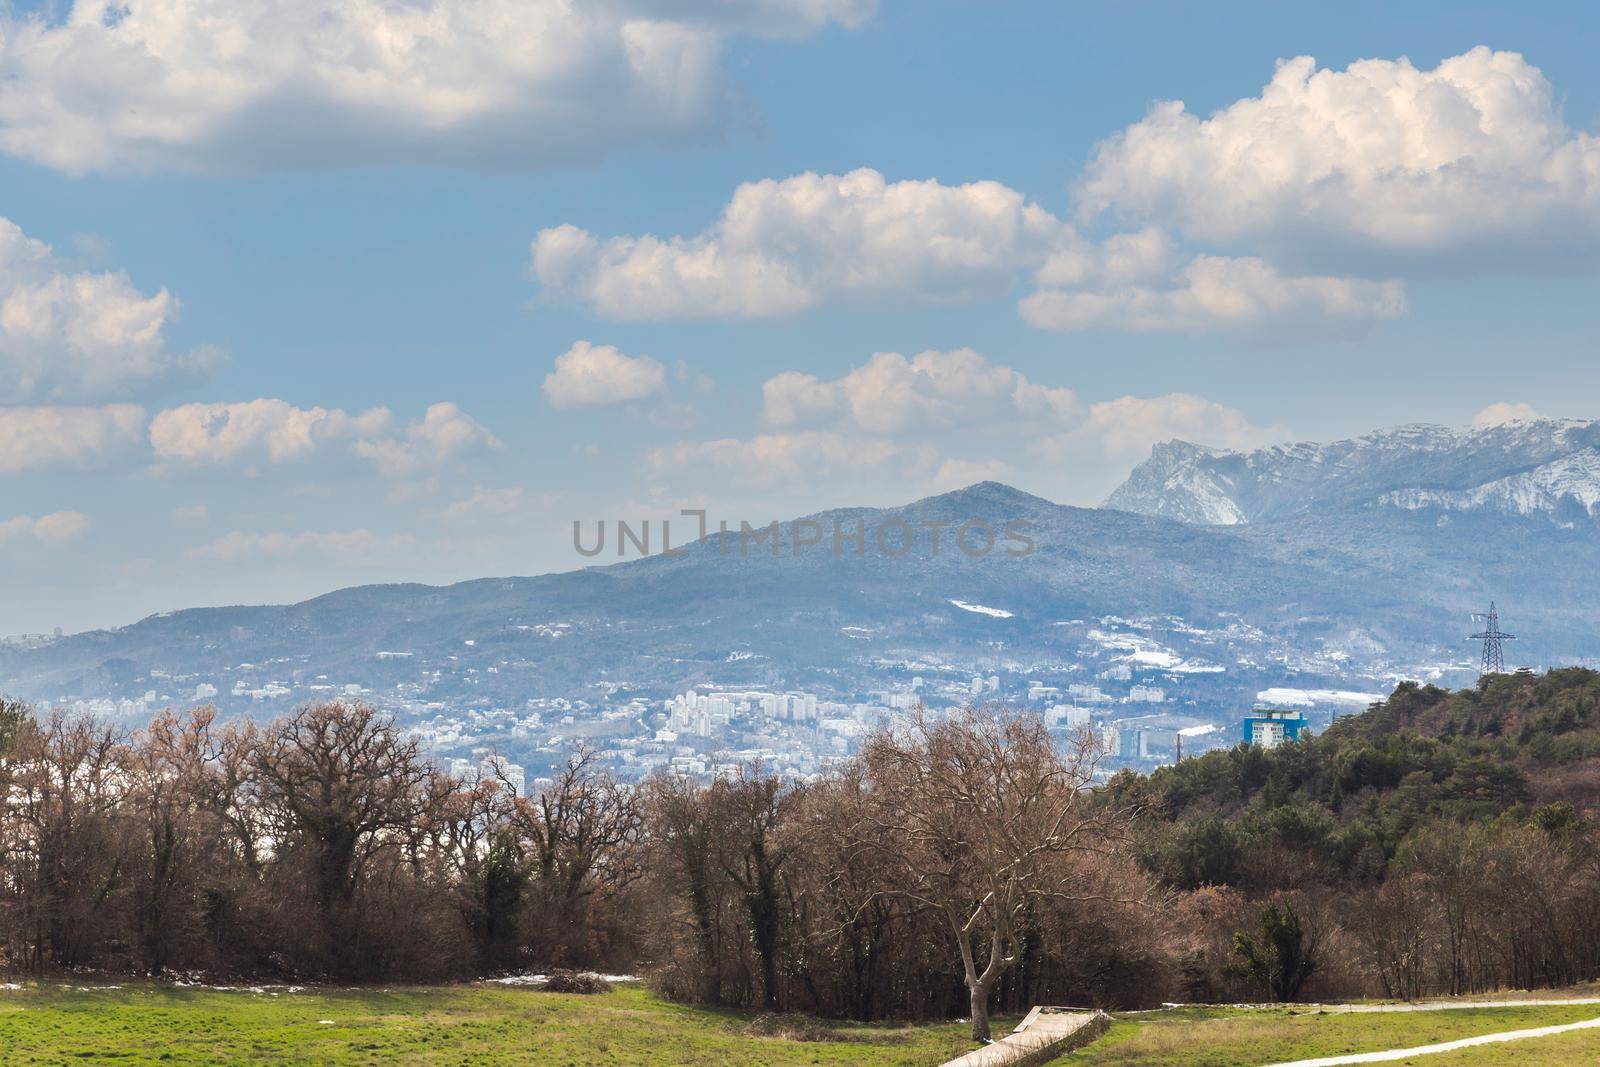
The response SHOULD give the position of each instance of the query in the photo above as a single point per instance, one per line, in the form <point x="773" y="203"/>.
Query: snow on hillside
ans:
<point x="980" y="609"/>
<point x="1572" y="481"/>
<point x="1304" y="698"/>
<point x="1538" y="467"/>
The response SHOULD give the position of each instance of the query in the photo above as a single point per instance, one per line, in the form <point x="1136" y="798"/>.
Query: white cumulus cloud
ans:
<point x="784" y="246"/>
<point x="1463" y="167"/>
<point x="1126" y="428"/>
<point x="53" y="529"/>
<point x="219" y="85"/>
<point x="1220" y="293"/>
<point x="34" y="438"/>
<point x="940" y="420"/>
<point x="274" y="431"/>
<point x="444" y="434"/>
<point x="67" y="333"/>
<point x="270" y="429"/>
<point x="1497" y="414"/>
<point x="891" y="394"/>
<point x="589" y="375"/>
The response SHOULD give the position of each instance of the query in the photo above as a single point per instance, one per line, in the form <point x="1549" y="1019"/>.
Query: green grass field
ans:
<point x="1205" y="1037"/>
<point x="139" y="1023"/>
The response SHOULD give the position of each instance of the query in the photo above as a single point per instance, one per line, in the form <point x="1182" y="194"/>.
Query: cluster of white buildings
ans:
<point x="1066" y="717"/>
<point x="492" y="768"/>
<point x="705" y="714"/>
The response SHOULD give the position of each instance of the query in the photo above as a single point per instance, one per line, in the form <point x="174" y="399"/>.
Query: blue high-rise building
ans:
<point x="1269" y="729"/>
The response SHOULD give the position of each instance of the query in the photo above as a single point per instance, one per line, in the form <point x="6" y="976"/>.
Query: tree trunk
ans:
<point x="762" y="902"/>
<point x="707" y="938"/>
<point x="980" y="1012"/>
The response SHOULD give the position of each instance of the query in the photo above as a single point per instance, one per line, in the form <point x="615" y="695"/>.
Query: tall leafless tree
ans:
<point x="979" y="819"/>
<point x="338" y="783"/>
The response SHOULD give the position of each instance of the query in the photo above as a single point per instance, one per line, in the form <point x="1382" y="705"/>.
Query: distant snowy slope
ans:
<point x="1539" y="467"/>
<point x="1189" y="483"/>
<point x="1569" y="486"/>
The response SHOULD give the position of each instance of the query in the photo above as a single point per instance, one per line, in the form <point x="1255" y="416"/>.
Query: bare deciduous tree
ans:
<point x="980" y="819"/>
<point x="751" y="811"/>
<point x="684" y="845"/>
<point x="66" y="782"/>
<point x="581" y="834"/>
<point x="338" y="783"/>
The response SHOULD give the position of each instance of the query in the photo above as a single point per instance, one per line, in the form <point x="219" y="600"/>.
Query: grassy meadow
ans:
<point x="143" y="1023"/>
<point x="1220" y="1037"/>
<point x="98" y="1021"/>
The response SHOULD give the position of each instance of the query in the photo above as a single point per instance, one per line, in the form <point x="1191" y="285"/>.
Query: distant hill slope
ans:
<point x="1546" y="468"/>
<point x="1516" y="743"/>
<point x="1380" y="587"/>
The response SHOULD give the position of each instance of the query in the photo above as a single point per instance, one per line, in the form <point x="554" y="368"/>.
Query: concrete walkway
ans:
<point x="1050" y="1032"/>
<point x="1440" y="1005"/>
<point x="1446" y="1046"/>
<point x="1313" y="1008"/>
<point x="1045" y="1034"/>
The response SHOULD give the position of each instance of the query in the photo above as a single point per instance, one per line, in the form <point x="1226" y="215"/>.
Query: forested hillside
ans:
<point x="1440" y="840"/>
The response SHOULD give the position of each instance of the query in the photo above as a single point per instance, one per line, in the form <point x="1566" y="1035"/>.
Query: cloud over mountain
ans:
<point x="944" y="419"/>
<point x="890" y="393"/>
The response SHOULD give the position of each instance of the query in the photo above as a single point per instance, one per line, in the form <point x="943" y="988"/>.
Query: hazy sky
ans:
<point x="297" y="295"/>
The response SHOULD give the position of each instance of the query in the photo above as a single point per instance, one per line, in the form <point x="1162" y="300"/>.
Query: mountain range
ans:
<point x="1544" y="467"/>
<point x="1350" y="563"/>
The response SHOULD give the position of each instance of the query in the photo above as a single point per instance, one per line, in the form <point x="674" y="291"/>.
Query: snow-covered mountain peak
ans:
<point x="1539" y="466"/>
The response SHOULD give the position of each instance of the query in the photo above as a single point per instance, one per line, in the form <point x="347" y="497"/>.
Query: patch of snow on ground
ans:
<point x="1305" y="698"/>
<point x="1149" y="657"/>
<point x="1199" y="731"/>
<point x="541" y="979"/>
<point x="979" y="609"/>
<point x="260" y="990"/>
<point x="1146" y="652"/>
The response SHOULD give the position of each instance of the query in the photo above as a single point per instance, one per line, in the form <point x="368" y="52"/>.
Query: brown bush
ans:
<point x="581" y="982"/>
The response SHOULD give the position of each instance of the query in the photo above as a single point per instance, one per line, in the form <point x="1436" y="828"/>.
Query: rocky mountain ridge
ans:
<point x="1544" y="467"/>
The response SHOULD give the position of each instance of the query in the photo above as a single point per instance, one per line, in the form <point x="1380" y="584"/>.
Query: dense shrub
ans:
<point x="584" y="982"/>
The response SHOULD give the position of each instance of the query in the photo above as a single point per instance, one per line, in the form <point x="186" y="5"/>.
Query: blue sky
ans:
<point x="340" y="244"/>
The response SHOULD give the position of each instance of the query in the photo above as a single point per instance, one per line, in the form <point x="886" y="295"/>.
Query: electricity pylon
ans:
<point x="1493" y="661"/>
